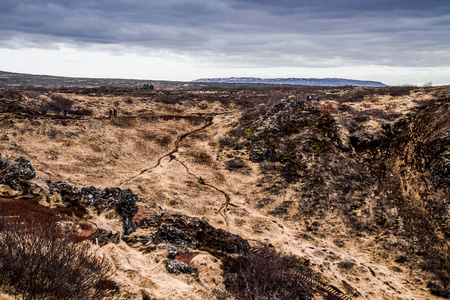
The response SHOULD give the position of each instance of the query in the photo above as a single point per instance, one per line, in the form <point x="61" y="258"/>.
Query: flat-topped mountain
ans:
<point x="296" y="81"/>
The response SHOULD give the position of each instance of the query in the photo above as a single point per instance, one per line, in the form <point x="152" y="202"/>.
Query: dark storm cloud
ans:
<point x="254" y="32"/>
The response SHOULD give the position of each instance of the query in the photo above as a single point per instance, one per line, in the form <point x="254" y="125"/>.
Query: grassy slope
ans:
<point x="102" y="152"/>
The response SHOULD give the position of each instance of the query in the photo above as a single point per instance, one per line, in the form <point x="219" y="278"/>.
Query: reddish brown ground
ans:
<point x="186" y="257"/>
<point x="29" y="211"/>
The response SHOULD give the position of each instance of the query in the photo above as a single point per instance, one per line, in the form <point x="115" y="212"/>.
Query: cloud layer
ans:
<point x="248" y="33"/>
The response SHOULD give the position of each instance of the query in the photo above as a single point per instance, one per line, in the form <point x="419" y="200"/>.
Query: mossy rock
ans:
<point x="320" y="146"/>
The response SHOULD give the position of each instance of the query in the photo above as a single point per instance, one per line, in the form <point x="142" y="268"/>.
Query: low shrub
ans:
<point x="235" y="164"/>
<point x="81" y="112"/>
<point x="39" y="261"/>
<point x="230" y="143"/>
<point x="201" y="157"/>
<point x="400" y="90"/>
<point x="263" y="275"/>
<point x="59" y="103"/>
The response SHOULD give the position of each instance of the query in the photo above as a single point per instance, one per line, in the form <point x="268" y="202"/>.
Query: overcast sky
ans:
<point x="396" y="42"/>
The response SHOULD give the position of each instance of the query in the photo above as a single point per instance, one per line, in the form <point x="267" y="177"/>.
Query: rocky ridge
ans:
<point x="391" y="181"/>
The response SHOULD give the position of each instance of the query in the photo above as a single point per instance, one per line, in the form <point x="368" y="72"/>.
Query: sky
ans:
<point x="395" y="42"/>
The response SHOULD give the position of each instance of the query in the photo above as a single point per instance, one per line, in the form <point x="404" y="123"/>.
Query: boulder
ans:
<point x="195" y="233"/>
<point x="15" y="174"/>
<point x="171" y="235"/>
<point x="123" y="201"/>
<point x="177" y="267"/>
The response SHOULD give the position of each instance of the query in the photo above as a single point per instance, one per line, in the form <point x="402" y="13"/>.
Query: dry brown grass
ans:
<point x="102" y="152"/>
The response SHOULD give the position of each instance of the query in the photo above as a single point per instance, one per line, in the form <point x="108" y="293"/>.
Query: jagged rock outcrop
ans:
<point x="177" y="267"/>
<point x="195" y="233"/>
<point x="280" y="120"/>
<point x="123" y="201"/>
<point x="412" y="167"/>
<point x="172" y="235"/>
<point x="16" y="173"/>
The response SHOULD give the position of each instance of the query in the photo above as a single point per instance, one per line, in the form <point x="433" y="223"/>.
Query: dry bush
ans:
<point x="39" y="261"/>
<point x="53" y="133"/>
<point x="400" y="90"/>
<point x="10" y="94"/>
<point x="235" y="164"/>
<point x="230" y="143"/>
<point x="164" y="141"/>
<point x="169" y="100"/>
<point x="263" y="275"/>
<point x="59" y="103"/>
<point x="196" y="121"/>
<point x="81" y="112"/>
<point x="382" y="114"/>
<point x="147" y="135"/>
<point x="201" y="157"/>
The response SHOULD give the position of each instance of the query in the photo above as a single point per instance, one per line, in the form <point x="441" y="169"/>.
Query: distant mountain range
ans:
<point x="296" y="81"/>
<point x="21" y="80"/>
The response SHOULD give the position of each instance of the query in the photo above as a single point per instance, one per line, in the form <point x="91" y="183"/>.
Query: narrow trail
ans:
<point x="223" y="208"/>
<point x="207" y="117"/>
<point x="208" y="122"/>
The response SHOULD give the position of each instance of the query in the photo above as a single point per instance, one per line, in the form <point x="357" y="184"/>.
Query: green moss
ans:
<point x="248" y="131"/>
<point x="326" y="122"/>
<point x="320" y="146"/>
<point x="356" y="206"/>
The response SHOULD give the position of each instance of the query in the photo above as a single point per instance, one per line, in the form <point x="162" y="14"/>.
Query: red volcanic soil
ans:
<point x="186" y="257"/>
<point x="29" y="211"/>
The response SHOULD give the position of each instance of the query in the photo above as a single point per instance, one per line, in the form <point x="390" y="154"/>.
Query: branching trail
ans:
<point x="223" y="208"/>
<point x="208" y="118"/>
<point x="208" y="122"/>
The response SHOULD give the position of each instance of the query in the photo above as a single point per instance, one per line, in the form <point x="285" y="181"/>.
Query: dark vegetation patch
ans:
<point x="264" y="201"/>
<point x="230" y="142"/>
<point x="235" y="164"/>
<point x="38" y="260"/>
<point x="283" y="209"/>
<point x="265" y="275"/>
<point x="59" y="103"/>
<point x="201" y="157"/>
<point x="418" y="148"/>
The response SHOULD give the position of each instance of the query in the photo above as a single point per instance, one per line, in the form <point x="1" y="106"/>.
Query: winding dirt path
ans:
<point x="208" y="122"/>
<point x="223" y="208"/>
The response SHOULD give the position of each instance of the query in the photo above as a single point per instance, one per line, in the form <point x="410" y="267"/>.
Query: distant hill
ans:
<point x="22" y="80"/>
<point x="296" y="81"/>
